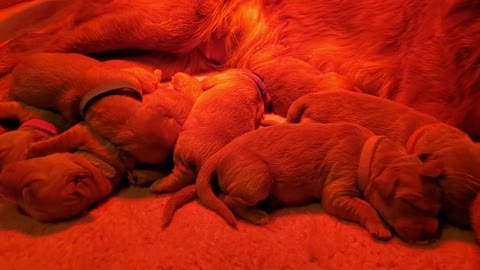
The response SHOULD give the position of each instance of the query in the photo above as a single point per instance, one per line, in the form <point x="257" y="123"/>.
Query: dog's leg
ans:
<point x="180" y="177"/>
<point x="187" y="84"/>
<point x="354" y="209"/>
<point x="70" y="140"/>
<point x="10" y="110"/>
<point x="248" y="186"/>
<point x="142" y="177"/>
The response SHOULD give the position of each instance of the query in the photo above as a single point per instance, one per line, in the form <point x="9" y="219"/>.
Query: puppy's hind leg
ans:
<point x="249" y="182"/>
<point x="180" y="177"/>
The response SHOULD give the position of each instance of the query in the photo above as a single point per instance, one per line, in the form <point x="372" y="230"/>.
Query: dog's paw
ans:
<point x="141" y="177"/>
<point x="379" y="231"/>
<point x="32" y="151"/>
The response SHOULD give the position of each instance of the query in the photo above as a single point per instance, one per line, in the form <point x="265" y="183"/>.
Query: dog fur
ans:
<point x="298" y="163"/>
<point x="439" y="141"/>
<point x="425" y="57"/>
<point x="14" y="143"/>
<point x="232" y="104"/>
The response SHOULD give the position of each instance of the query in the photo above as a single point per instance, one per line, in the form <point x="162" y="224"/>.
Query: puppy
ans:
<point x="233" y="103"/>
<point x="108" y="101"/>
<point x="353" y="173"/>
<point x="62" y="185"/>
<point x="59" y="81"/>
<point x="35" y="125"/>
<point x="422" y="135"/>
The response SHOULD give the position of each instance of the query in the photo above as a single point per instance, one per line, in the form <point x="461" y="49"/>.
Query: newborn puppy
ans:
<point x="421" y="133"/>
<point x="35" y="125"/>
<point x="233" y="103"/>
<point x="59" y="81"/>
<point x="108" y="100"/>
<point x="357" y="176"/>
<point x="58" y="186"/>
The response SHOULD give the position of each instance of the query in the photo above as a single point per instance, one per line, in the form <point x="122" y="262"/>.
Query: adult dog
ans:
<point x="353" y="173"/>
<point x="426" y="56"/>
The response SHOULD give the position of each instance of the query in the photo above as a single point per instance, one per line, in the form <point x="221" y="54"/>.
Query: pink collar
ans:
<point x="42" y="125"/>
<point x="366" y="159"/>
<point x="412" y="141"/>
<point x="121" y="87"/>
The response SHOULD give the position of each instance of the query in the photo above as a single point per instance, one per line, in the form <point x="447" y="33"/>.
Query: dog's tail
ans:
<point x="178" y="199"/>
<point x="205" y="192"/>
<point x="295" y="112"/>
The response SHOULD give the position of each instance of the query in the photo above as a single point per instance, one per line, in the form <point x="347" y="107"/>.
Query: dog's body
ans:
<point x="420" y="133"/>
<point x="303" y="162"/>
<point x="108" y="99"/>
<point x="35" y="125"/>
<point x="59" y="81"/>
<point x="233" y="103"/>
<point x="425" y="57"/>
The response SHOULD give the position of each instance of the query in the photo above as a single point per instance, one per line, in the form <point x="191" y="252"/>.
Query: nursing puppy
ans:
<point x="144" y="135"/>
<point x="233" y="103"/>
<point x="353" y="173"/>
<point x="108" y="100"/>
<point x="59" y="81"/>
<point x="35" y="125"/>
<point x="421" y="133"/>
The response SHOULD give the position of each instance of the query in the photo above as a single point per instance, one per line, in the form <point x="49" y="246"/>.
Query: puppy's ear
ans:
<point x="385" y="184"/>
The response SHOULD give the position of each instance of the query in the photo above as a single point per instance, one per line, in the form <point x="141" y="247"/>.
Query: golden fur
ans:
<point x="232" y="104"/>
<point x="438" y="141"/>
<point x="425" y="56"/>
<point x="298" y="163"/>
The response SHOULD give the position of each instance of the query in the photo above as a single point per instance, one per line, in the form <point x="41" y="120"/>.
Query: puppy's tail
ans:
<point x="178" y="199"/>
<point x="295" y="112"/>
<point x="205" y="193"/>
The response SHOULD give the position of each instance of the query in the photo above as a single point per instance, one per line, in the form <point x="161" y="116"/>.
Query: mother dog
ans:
<point x="417" y="52"/>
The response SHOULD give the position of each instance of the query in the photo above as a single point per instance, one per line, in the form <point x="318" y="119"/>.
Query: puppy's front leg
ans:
<point x="68" y="141"/>
<point x="354" y="209"/>
<point x="187" y="84"/>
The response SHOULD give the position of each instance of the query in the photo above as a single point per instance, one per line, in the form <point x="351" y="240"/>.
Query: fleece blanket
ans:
<point x="125" y="232"/>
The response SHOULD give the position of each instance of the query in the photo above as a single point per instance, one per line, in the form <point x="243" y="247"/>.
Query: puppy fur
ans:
<point x="232" y="104"/>
<point x="439" y="141"/>
<point x="58" y="81"/>
<point x="303" y="162"/>
<point x="14" y="143"/>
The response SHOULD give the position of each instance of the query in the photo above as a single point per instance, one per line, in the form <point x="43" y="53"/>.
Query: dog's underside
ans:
<point x="425" y="57"/>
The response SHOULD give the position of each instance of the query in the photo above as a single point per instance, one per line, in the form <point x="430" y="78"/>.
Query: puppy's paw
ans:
<point x="255" y="216"/>
<point x="148" y="80"/>
<point x="379" y="231"/>
<point x="142" y="177"/>
<point x="33" y="151"/>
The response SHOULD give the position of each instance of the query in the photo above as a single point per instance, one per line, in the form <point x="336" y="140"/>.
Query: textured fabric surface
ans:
<point x="125" y="233"/>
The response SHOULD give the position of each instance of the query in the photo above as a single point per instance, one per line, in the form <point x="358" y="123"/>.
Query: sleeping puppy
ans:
<point x="144" y="134"/>
<point x="63" y="185"/>
<point x="421" y="133"/>
<point x="233" y="103"/>
<point x="59" y="81"/>
<point x="353" y="173"/>
<point x="35" y="125"/>
<point x="108" y="100"/>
